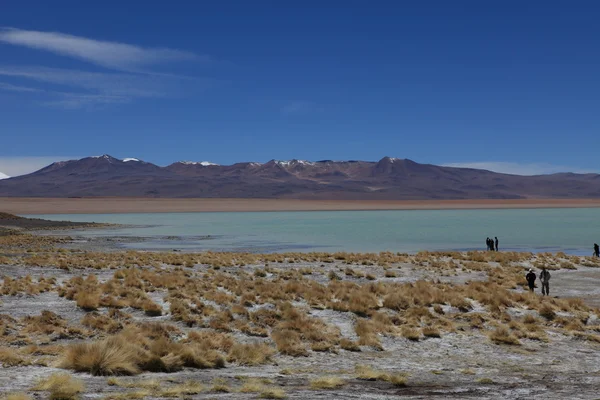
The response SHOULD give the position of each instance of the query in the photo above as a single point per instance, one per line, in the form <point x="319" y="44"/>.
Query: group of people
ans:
<point x="492" y="244"/>
<point x="544" y="278"/>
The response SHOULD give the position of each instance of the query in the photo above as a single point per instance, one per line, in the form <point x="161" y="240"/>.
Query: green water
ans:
<point x="571" y="230"/>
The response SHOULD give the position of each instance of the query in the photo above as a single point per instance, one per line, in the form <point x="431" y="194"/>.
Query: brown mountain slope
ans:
<point x="387" y="179"/>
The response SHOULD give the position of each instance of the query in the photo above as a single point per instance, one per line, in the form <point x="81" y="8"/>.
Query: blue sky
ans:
<point x="509" y="85"/>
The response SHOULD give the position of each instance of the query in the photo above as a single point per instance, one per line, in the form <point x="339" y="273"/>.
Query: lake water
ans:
<point x="570" y="230"/>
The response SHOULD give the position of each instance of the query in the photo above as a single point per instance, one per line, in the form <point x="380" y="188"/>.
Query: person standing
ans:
<point x="496" y="237"/>
<point x="531" y="279"/>
<point x="487" y="242"/>
<point x="545" y="278"/>
<point x="596" y="250"/>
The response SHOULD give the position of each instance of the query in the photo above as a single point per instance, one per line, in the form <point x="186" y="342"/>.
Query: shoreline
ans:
<point x="121" y="205"/>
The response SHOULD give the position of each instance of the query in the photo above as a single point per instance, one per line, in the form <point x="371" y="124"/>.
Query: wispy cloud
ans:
<point x="98" y="87"/>
<point x="116" y="84"/>
<point x="114" y="55"/>
<point x="130" y="77"/>
<point x="15" y="166"/>
<point x="16" y="88"/>
<point x="519" y="168"/>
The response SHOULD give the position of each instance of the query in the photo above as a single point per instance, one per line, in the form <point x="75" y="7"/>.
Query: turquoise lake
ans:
<point x="570" y="230"/>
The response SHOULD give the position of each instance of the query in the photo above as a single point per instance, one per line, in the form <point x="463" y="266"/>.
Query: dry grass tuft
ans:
<point x="89" y="301"/>
<point x="503" y="336"/>
<point x="368" y="373"/>
<point x="220" y="386"/>
<point x="289" y="343"/>
<point x="251" y="354"/>
<point x="186" y="388"/>
<point x="547" y="312"/>
<point x="16" y="396"/>
<point x="252" y="386"/>
<point x="272" y="393"/>
<point x="349" y="345"/>
<point x="327" y="382"/>
<point x="151" y="308"/>
<point x="367" y="334"/>
<point x="397" y="380"/>
<point x="60" y="386"/>
<point x="10" y="357"/>
<point x="411" y="333"/>
<point x="112" y="356"/>
<point x="431" y="331"/>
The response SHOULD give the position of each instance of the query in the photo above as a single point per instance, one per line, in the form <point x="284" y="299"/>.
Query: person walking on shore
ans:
<point x="496" y="237"/>
<point x="545" y="278"/>
<point x="596" y="250"/>
<point x="531" y="279"/>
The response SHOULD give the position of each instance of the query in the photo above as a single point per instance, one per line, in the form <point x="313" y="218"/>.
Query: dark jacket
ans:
<point x="545" y="276"/>
<point x="530" y="278"/>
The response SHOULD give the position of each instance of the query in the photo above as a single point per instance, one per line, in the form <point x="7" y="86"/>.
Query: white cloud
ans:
<point x="15" y="166"/>
<point x="17" y="88"/>
<point x="4" y="176"/>
<point x="114" y="55"/>
<point x="518" y="168"/>
<point x="116" y="84"/>
<point x="71" y="89"/>
<point x="98" y="87"/>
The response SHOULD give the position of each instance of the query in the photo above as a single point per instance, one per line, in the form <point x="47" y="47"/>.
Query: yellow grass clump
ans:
<point x="16" y="396"/>
<point x="220" y="386"/>
<point x="10" y="357"/>
<point x="187" y="388"/>
<point x="272" y="393"/>
<point x="60" y="386"/>
<point x="252" y="386"/>
<point x="547" y="312"/>
<point x="327" y="382"/>
<point x="349" y="345"/>
<point x="88" y="301"/>
<point x="431" y="331"/>
<point x="289" y="343"/>
<point x="250" y="354"/>
<point x="411" y="333"/>
<point x="502" y="335"/>
<point x="112" y="356"/>
<point x="368" y="373"/>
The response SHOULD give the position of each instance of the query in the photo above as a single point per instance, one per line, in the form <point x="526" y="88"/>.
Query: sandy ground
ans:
<point x="148" y="205"/>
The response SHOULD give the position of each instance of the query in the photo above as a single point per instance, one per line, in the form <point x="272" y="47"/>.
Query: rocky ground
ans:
<point x="10" y="223"/>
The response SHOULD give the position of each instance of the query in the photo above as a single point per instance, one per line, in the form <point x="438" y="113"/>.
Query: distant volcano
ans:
<point x="386" y="179"/>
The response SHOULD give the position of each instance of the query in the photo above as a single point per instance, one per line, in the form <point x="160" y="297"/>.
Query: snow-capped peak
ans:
<point x="4" y="176"/>
<point x="130" y="159"/>
<point x="294" y="162"/>
<point x="203" y="163"/>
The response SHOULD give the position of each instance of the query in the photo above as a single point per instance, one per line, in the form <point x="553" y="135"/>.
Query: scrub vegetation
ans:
<point x="126" y="313"/>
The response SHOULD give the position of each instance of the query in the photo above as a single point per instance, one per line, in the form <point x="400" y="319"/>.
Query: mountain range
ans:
<point x="386" y="179"/>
